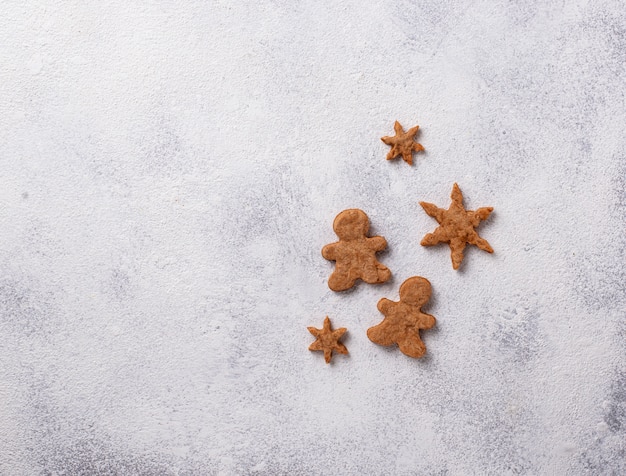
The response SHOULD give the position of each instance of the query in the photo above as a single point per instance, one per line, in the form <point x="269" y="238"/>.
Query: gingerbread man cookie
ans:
<point x="354" y="253"/>
<point x="404" y="319"/>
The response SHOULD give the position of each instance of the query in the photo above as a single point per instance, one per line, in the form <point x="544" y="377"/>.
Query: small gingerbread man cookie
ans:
<point x="404" y="319"/>
<point x="354" y="253"/>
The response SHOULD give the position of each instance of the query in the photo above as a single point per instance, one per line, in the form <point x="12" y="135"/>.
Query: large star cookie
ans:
<point x="404" y="319"/>
<point x="456" y="226"/>
<point x="327" y="340"/>
<point x="402" y="143"/>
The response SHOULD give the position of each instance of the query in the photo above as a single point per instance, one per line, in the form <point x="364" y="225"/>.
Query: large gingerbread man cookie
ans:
<point x="354" y="253"/>
<point x="404" y="319"/>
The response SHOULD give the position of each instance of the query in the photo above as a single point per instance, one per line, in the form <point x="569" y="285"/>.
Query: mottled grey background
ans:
<point x="169" y="172"/>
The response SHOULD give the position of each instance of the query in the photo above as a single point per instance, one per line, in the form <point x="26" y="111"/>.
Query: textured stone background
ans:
<point x="170" y="171"/>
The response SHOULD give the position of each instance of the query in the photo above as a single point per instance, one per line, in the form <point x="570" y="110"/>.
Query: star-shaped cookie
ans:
<point x="328" y="340"/>
<point x="456" y="226"/>
<point x="402" y="143"/>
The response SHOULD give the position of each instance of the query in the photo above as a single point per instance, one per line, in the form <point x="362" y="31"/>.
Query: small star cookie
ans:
<point x="354" y="253"/>
<point x="404" y="319"/>
<point x="327" y="340"/>
<point x="402" y="143"/>
<point x="456" y="226"/>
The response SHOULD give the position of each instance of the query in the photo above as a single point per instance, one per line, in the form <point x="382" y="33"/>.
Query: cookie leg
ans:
<point x="412" y="346"/>
<point x="340" y="281"/>
<point x="377" y="273"/>
<point x="384" y="273"/>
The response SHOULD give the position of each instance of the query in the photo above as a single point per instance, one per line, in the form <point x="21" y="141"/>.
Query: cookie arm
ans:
<point x="383" y="305"/>
<point x="329" y="252"/>
<point x="426" y="321"/>
<point x="381" y="334"/>
<point x="377" y="243"/>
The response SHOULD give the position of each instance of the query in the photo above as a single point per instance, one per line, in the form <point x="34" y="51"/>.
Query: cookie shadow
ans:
<point x="337" y="358"/>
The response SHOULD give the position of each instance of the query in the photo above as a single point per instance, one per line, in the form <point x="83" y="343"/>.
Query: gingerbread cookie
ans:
<point x="354" y="253"/>
<point x="327" y="340"/>
<point x="404" y="319"/>
<point x="456" y="226"/>
<point x="402" y="143"/>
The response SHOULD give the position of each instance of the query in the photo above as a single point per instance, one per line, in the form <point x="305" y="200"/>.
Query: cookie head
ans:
<point x="415" y="291"/>
<point x="351" y="224"/>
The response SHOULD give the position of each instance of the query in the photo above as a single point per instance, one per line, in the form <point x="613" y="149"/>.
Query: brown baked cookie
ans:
<point x="354" y="253"/>
<point x="404" y="319"/>
<point x="402" y="143"/>
<point x="327" y="340"/>
<point x="456" y="226"/>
